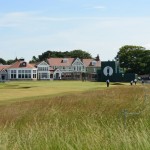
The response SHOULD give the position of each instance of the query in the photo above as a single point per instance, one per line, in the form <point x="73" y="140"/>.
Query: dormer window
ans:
<point x="93" y="63"/>
<point x="65" y="60"/>
<point x="23" y="64"/>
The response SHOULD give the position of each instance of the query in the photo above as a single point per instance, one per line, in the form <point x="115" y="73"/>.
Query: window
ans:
<point x="93" y="63"/>
<point x="13" y="74"/>
<point x="65" y="60"/>
<point x="24" y="74"/>
<point x="42" y="68"/>
<point x="27" y="71"/>
<point x="79" y="68"/>
<point x="51" y="75"/>
<point x="44" y="75"/>
<point x="34" y="75"/>
<point x="19" y="76"/>
<point x="34" y="71"/>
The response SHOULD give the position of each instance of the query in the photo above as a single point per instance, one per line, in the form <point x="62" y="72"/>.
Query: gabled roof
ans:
<point x="19" y="64"/>
<point x="38" y="63"/>
<point x="88" y="63"/>
<point x="43" y="63"/>
<point x="4" y="67"/>
<point x="57" y="70"/>
<point x="60" y="61"/>
<point x="77" y="60"/>
<point x="69" y="62"/>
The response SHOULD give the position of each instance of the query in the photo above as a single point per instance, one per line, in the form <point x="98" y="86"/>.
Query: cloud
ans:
<point x="97" y="35"/>
<point x="147" y="46"/>
<point x="14" y="19"/>
<point x="99" y="7"/>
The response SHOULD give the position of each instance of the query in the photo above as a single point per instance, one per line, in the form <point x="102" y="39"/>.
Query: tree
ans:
<point x="10" y="61"/>
<point x="134" y="59"/>
<point x="34" y="60"/>
<point x="2" y="61"/>
<point x="79" y="53"/>
<point x="58" y="54"/>
<point x="7" y="62"/>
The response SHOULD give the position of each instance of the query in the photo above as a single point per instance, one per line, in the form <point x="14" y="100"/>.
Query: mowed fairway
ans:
<point x="74" y="115"/>
<point x="18" y="90"/>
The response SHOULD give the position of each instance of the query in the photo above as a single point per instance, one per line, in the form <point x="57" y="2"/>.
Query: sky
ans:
<point x="30" y="27"/>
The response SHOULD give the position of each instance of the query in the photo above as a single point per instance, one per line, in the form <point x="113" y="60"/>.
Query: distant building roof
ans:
<point x="3" y="67"/>
<point x="69" y="61"/>
<point x="60" y="61"/>
<point x="21" y="64"/>
<point x="89" y="62"/>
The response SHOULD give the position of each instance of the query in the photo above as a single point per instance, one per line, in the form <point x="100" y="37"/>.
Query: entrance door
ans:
<point x="57" y="75"/>
<point x="3" y="77"/>
<point x="51" y="76"/>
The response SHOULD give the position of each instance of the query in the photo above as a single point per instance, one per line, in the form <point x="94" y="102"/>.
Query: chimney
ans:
<point x="21" y="59"/>
<point x="97" y="58"/>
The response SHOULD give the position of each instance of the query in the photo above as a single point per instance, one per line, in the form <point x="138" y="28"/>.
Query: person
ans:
<point x="107" y="82"/>
<point x="142" y="81"/>
<point x="135" y="81"/>
<point x="131" y="82"/>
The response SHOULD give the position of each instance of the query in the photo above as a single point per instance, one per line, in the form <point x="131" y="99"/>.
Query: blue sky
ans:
<point x="31" y="27"/>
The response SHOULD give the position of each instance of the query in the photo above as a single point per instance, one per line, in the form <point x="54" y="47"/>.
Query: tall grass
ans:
<point x="90" y="120"/>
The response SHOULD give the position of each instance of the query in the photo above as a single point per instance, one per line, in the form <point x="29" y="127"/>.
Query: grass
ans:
<point x="90" y="118"/>
<point x="16" y="90"/>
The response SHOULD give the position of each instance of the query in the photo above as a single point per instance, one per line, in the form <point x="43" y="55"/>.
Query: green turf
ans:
<point x="25" y="89"/>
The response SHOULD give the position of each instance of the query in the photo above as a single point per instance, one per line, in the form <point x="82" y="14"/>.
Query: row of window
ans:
<point x="75" y="68"/>
<point x="23" y="71"/>
<point x="43" y="75"/>
<point x="43" y="68"/>
<point x="22" y="76"/>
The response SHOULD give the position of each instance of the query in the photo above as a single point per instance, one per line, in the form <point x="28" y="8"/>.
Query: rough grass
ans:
<point x="90" y="120"/>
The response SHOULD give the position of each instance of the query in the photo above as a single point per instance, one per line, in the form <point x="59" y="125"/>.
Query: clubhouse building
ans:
<point x="65" y="69"/>
<point x="52" y="69"/>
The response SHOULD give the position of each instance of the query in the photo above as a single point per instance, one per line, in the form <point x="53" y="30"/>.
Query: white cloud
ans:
<point x="14" y="19"/>
<point x="99" y="7"/>
<point x="147" y="46"/>
<point x="103" y="36"/>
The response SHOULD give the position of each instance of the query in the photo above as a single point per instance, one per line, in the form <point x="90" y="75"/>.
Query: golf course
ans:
<point x="74" y="115"/>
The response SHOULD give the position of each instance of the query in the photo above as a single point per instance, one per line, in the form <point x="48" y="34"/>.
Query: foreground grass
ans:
<point x="91" y="120"/>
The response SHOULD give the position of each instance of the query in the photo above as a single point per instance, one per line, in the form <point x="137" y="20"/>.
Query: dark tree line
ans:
<point x="58" y="54"/>
<point x="7" y="62"/>
<point x="55" y="54"/>
<point x="134" y="59"/>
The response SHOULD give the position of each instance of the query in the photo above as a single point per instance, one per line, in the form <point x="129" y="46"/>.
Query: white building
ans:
<point x="21" y="70"/>
<point x="54" y="68"/>
<point x="43" y="71"/>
